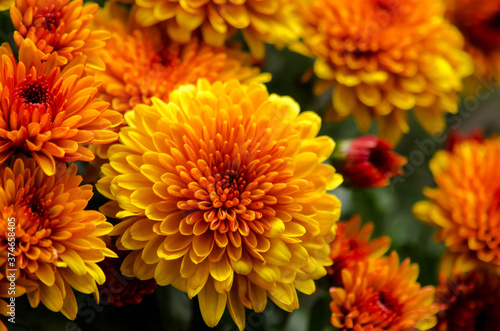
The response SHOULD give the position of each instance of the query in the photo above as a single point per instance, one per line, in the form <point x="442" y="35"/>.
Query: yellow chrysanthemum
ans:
<point x="57" y="244"/>
<point x="271" y="21"/>
<point x="479" y="23"/>
<point x="59" y="26"/>
<point x="386" y="57"/>
<point x="5" y="4"/>
<point x="381" y="295"/>
<point x="465" y="204"/>
<point x="48" y="113"/>
<point x="222" y="194"/>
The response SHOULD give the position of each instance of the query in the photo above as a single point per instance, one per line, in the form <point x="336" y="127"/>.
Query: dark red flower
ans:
<point x="119" y="289"/>
<point x="368" y="162"/>
<point x="469" y="302"/>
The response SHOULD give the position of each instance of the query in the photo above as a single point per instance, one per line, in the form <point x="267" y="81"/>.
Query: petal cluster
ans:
<point x="59" y="26"/>
<point x="465" y="205"/>
<point x="271" y="21"/>
<point x="222" y="193"/>
<point x="57" y="240"/>
<point x="386" y="57"/>
<point x="352" y="245"/>
<point x="144" y="63"/>
<point x="49" y="113"/>
<point x="382" y="295"/>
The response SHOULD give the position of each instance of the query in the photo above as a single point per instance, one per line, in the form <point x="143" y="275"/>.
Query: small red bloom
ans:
<point x="368" y="162"/>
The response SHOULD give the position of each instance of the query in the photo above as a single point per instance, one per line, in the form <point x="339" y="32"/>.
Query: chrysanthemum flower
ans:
<point x="479" y="23"/>
<point x="118" y="289"/>
<point x="386" y="57"/>
<point x="368" y="162"/>
<point x="222" y="193"/>
<point x="57" y="241"/>
<point x="352" y="245"/>
<point x="59" y="26"/>
<point x="142" y="65"/>
<point x="465" y="204"/>
<point x="381" y="295"/>
<point x="48" y="113"/>
<point x="273" y="21"/>
<point x="469" y="302"/>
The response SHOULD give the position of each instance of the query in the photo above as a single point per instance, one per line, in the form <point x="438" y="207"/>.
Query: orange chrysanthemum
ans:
<point x="381" y="295"/>
<point x="48" y="113"/>
<point x="57" y="244"/>
<point x="272" y="21"/>
<point x="59" y="26"/>
<point x="479" y="22"/>
<point x="222" y="194"/>
<point x="145" y="64"/>
<point x="386" y="57"/>
<point x="352" y="245"/>
<point x="466" y="204"/>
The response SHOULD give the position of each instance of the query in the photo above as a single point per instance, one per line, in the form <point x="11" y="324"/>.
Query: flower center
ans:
<point x="383" y="307"/>
<point x="32" y="103"/>
<point x="49" y="18"/>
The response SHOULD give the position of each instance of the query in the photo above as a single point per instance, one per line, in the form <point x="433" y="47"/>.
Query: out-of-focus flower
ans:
<point x="273" y="21"/>
<point x="386" y="57"/>
<point x="48" y="113"/>
<point x="352" y="246"/>
<point x="479" y="23"/>
<point x="456" y="137"/>
<point x="57" y="241"/>
<point x="469" y="302"/>
<point x="382" y="295"/>
<point x="5" y="4"/>
<point x="119" y="289"/>
<point x="465" y="204"/>
<point x="59" y="26"/>
<point x="222" y="193"/>
<point x="367" y="162"/>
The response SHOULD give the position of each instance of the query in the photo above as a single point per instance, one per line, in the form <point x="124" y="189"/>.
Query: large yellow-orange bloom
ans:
<point x="479" y="22"/>
<point x="271" y="21"/>
<point x="465" y="205"/>
<point x="48" y="113"/>
<point x="59" y="26"/>
<point x="382" y="295"/>
<point x="57" y="240"/>
<point x="222" y="193"/>
<point x="386" y="57"/>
